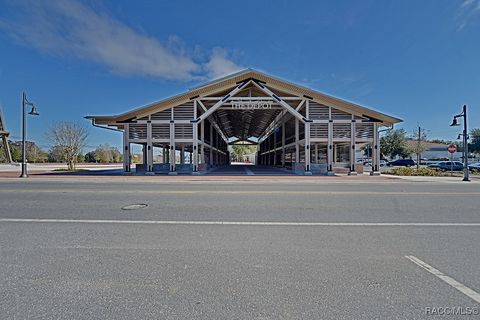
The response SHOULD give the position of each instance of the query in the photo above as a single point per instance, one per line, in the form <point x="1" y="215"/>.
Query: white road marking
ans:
<point x="250" y="223"/>
<point x="246" y="192"/>
<point x="249" y="172"/>
<point x="449" y="280"/>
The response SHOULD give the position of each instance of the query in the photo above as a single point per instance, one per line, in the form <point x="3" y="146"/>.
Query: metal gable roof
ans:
<point x="231" y="81"/>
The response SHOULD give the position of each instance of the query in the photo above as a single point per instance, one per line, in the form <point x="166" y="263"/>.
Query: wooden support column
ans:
<point x="211" y="144"/>
<point x="375" y="151"/>
<point x="217" y="145"/>
<point x="194" y="153"/>
<point x="308" y="154"/>
<point x="330" y="149"/>
<point x="307" y="148"/>
<point x="144" y="155"/>
<point x="149" y="147"/>
<point x="283" y="144"/>
<point x="274" y="147"/>
<point x="126" y="148"/>
<point x="297" y="143"/>
<point x="202" y="138"/>
<point x="268" y="152"/>
<point x="377" y="148"/>
<point x="352" y="148"/>
<point x="172" y="156"/>
<point x="182" y="154"/>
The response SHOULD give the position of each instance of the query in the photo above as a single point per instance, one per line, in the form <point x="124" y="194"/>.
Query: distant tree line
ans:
<point x="394" y="143"/>
<point x="104" y="154"/>
<point x="68" y="141"/>
<point x="33" y="152"/>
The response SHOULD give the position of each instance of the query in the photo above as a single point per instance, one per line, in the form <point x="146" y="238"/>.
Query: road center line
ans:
<point x="248" y="223"/>
<point x="449" y="280"/>
<point x="244" y="192"/>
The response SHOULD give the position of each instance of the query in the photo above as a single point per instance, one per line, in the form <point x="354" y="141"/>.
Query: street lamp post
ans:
<point x="32" y="112"/>
<point x="465" y="141"/>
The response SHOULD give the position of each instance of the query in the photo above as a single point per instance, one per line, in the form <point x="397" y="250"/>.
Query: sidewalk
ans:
<point x="98" y="172"/>
<point x="473" y="179"/>
<point x="115" y="173"/>
<point x="17" y="167"/>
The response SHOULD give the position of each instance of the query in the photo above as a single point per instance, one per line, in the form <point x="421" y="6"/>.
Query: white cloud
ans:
<point x="220" y="64"/>
<point x="468" y="11"/>
<point x="71" y="28"/>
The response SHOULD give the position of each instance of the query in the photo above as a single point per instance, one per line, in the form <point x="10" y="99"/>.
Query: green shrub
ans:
<point x="401" y="171"/>
<point x="430" y="172"/>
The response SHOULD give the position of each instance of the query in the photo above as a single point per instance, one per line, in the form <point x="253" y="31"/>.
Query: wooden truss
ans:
<point x="4" y="136"/>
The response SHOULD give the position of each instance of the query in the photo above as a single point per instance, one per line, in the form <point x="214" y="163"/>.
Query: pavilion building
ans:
<point x="293" y="127"/>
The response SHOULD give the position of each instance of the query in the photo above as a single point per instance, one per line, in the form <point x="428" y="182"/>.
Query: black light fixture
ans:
<point x="465" y="140"/>
<point x="33" y="112"/>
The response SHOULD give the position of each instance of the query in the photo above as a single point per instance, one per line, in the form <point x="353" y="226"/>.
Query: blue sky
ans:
<point x="417" y="60"/>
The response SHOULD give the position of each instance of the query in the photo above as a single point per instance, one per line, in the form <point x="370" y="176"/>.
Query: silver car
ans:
<point x="474" y="167"/>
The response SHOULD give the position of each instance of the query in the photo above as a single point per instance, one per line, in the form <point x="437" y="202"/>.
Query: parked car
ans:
<point x="447" y="165"/>
<point x="369" y="163"/>
<point x="474" y="167"/>
<point x="401" y="163"/>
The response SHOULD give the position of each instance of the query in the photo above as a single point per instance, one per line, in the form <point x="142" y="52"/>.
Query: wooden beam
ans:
<point x="200" y="103"/>
<point x="280" y="101"/>
<point x="300" y="105"/>
<point x="222" y="101"/>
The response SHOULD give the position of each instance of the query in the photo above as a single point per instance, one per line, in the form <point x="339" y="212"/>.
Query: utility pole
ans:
<point x="33" y="112"/>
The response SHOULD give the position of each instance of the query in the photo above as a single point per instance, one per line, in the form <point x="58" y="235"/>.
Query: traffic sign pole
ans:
<point x="452" y="148"/>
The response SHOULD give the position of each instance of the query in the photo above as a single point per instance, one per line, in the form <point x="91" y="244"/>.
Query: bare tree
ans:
<point x="419" y="145"/>
<point x="68" y="138"/>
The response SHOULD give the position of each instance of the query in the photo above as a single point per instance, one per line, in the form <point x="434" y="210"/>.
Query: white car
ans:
<point x="369" y="163"/>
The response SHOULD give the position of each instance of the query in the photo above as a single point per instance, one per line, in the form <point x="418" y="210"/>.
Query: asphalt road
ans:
<point x="105" y="262"/>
